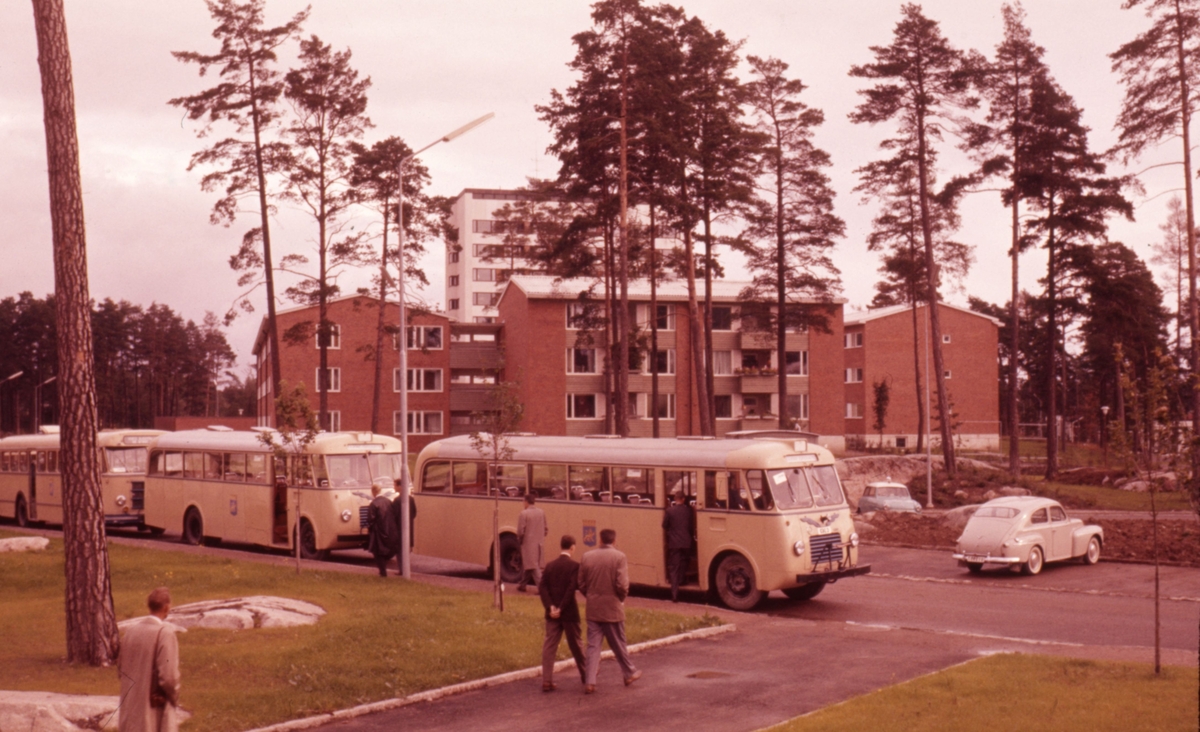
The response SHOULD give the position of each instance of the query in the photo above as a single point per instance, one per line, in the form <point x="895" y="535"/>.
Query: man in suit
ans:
<point x="679" y="525"/>
<point x="396" y="511"/>
<point x="557" y="588"/>
<point x="531" y="533"/>
<point x="381" y="536"/>
<point x="604" y="582"/>
<point x="148" y="664"/>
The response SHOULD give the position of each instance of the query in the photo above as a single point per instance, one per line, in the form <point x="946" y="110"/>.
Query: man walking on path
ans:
<point x="149" y="667"/>
<point x="679" y="525"/>
<point x="557" y="588"/>
<point x="531" y="532"/>
<point x="381" y="537"/>
<point x="604" y="582"/>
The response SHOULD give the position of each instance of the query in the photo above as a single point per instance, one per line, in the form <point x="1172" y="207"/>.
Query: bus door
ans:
<point x="31" y="456"/>
<point x="684" y="480"/>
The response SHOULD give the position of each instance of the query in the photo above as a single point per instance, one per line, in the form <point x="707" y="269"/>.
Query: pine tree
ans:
<point x="792" y="215"/>
<point x="1171" y="252"/>
<point x="923" y="82"/>
<point x="246" y="97"/>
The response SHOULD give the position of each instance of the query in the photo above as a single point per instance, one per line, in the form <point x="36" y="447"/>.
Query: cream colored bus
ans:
<point x="31" y="485"/>
<point x="770" y="512"/>
<point x="223" y="485"/>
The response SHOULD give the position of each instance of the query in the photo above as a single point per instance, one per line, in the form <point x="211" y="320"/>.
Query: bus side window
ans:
<point x="281" y="469"/>
<point x="588" y="482"/>
<point x="235" y="467"/>
<point x="632" y="486"/>
<point x="509" y="479"/>
<point x="435" y="477"/>
<point x="256" y="469"/>
<point x="173" y="464"/>
<point x="470" y="478"/>
<point x="212" y="466"/>
<point x="549" y="482"/>
<point x="713" y="496"/>
<point x="52" y="461"/>
<point x="41" y="462"/>
<point x="739" y="500"/>
<point x="301" y="473"/>
<point x="684" y="480"/>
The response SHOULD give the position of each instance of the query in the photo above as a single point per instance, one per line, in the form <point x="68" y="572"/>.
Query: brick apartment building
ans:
<point x="561" y="372"/>
<point x="352" y="369"/>
<point x="879" y="346"/>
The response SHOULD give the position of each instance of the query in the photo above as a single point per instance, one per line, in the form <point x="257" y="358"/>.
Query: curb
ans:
<point x="454" y="689"/>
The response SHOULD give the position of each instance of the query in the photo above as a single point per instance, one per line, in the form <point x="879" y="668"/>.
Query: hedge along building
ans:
<point x="878" y="348"/>
<point x="554" y="351"/>
<point x="354" y="322"/>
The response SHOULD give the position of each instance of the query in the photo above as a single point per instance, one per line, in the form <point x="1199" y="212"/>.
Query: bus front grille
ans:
<point x="362" y="516"/>
<point x="138" y="497"/>
<point x="825" y="549"/>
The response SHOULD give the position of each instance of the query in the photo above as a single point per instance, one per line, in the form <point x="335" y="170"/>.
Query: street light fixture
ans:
<point x="1104" y="433"/>
<point x="37" y="404"/>
<point x="402" y="338"/>
<point x="4" y="381"/>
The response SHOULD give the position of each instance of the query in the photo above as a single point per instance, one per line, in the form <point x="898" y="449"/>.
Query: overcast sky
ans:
<point x="436" y="64"/>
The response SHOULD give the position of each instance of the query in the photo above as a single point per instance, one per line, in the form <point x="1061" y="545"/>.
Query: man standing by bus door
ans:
<point x="604" y="582"/>
<point x="381" y="533"/>
<point x="531" y="533"/>
<point x="557" y="588"/>
<point x="679" y="524"/>
<point x="397" y="515"/>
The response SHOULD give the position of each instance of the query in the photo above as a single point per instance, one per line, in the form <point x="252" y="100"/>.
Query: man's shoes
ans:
<point x="520" y="588"/>
<point x="636" y="675"/>
<point x="589" y="689"/>
<point x="549" y="686"/>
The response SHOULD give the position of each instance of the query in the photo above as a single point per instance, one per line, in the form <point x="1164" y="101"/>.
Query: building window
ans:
<point x="797" y="363"/>
<point x="333" y="383"/>
<point x="484" y="226"/>
<point x="722" y="363"/>
<point x="666" y="317"/>
<point x="335" y="420"/>
<point x="945" y="338"/>
<point x="853" y="410"/>
<point x="664" y="360"/>
<point x="425" y="337"/>
<point x="797" y="405"/>
<point x="854" y="340"/>
<point x="722" y="317"/>
<point x="666" y="406"/>
<point x="902" y="442"/>
<point x="335" y="336"/>
<point x="454" y="280"/>
<point x="946" y="374"/>
<point x="578" y="315"/>
<point x="483" y="320"/>
<point x="635" y="402"/>
<point x="483" y="274"/>
<point x="581" y="360"/>
<point x="854" y="376"/>
<point x="486" y="299"/>
<point x="453" y="257"/>
<point x="419" y="380"/>
<point x="419" y="423"/>
<point x="723" y="406"/>
<point x="583" y="406"/>
<point x="454" y="303"/>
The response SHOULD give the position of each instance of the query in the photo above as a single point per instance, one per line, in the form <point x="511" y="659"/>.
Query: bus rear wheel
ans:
<point x="805" y="592"/>
<point x="22" y="512"/>
<point x="511" y="567"/>
<point x="735" y="583"/>
<point x="193" y="527"/>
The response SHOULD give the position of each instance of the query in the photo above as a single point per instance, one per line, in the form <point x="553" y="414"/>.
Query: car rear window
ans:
<point x="1003" y="512"/>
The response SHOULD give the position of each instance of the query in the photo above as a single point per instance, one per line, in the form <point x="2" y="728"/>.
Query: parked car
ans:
<point x="887" y="496"/>
<point x="1025" y="532"/>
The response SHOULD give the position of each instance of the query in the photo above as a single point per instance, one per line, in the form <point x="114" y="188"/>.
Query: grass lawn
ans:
<point x="1013" y="692"/>
<point x="380" y="638"/>
<point x="1105" y="497"/>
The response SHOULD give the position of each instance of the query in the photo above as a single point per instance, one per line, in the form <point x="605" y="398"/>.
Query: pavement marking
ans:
<point x="1023" y="586"/>
<point x="454" y="689"/>
<point x="968" y="634"/>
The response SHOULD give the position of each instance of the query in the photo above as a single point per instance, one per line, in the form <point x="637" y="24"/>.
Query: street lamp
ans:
<point x="37" y="404"/>
<point x="402" y="336"/>
<point x="4" y="381"/>
<point x="1104" y="433"/>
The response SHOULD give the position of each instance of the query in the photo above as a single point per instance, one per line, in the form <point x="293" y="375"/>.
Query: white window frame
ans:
<point x="670" y="396"/>
<point x="416" y="384"/>
<point x="483" y="274"/>
<point x="335" y="379"/>
<point x="717" y="366"/>
<point x="453" y="303"/>
<point x="671" y="362"/>
<point x="670" y="316"/>
<point x="945" y="338"/>
<point x="946" y="374"/>
<point x="853" y="340"/>
<point x="597" y="401"/>
<point x="853" y="410"/>
<point x="418" y="422"/>
<point x="575" y="312"/>
<point x="453" y="257"/>
<point x="803" y="362"/>
<point x="854" y="375"/>
<point x="733" y="412"/>
<point x="335" y="420"/>
<point x="733" y="318"/>
<point x="424" y="331"/>
<point x="453" y="281"/>
<point x="335" y="337"/>
<point x="492" y="299"/>
<point x="597" y="366"/>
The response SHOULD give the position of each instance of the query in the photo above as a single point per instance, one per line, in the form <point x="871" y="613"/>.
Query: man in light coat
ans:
<point x="604" y="581"/>
<point x="149" y="667"/>
<point x="531" y="532"/>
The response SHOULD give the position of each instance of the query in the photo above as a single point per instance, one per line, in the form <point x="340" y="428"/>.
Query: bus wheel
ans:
<point x="22" y="513"/>
<point x="193" y="527"/>
<point x="804" y="592"/>
<point x="510" y="559"/>
<point x="735" y="583"/>
<point x="308" y="542"/>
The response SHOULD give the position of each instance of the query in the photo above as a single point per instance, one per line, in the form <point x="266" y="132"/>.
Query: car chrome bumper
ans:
<point x="985" y="559"/>
<point x="832" y="575"/>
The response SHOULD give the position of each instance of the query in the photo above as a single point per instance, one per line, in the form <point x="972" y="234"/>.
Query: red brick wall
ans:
<point x="534" y="348"/>
<point x="827" y="393"/>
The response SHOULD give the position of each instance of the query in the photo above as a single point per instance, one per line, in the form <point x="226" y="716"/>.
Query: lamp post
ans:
<point x="402" y="336"/>
<point x="37" y="404"/>
<point x="4" y="381"/>
<point x="1104" y="432"/>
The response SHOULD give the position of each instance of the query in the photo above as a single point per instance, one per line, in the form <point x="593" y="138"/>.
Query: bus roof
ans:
<point x="645" y="451"/>
<point x="104" y="438"/>
<point x="251" y="441"/>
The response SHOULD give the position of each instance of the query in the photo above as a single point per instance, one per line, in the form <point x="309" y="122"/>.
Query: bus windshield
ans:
<point x="360" y="469"/>
<point x="804" y="487"/>
<point x="125" y="459"/>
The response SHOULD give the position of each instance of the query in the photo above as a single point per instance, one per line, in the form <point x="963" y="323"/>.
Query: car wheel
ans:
<point x="1093" y="551"/>
<point x="805" y="592"/>
<point x="736" y="585"/>
<point x="974" y="567"/>
<point x="22" y="513"/>
<point x="511" y="567"/>
<point x="1035" y="561"/>
<point x="193" y="527"/>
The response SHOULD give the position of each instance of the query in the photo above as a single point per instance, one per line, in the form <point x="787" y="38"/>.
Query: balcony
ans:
<point x="471" y="398"/>
<point x="759" y="381"/>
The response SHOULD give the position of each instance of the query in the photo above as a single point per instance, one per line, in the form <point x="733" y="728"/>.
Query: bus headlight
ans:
<point x="346" y="515"/>
<point x="120" y="500"/>
<point x="854" y="540"/>
<point x="798" y="547"/>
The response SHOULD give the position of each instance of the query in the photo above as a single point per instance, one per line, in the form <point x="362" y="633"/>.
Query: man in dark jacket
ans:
<point x="560" y="578"/>
<point x="398" y="524"/>
<point x="381" y="536"/>
<point x="679" y="525"/>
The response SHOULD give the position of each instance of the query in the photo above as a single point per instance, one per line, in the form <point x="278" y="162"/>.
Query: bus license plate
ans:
<point x="825" y="530"/>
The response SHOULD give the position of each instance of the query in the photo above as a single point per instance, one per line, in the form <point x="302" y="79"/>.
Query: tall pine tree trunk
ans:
<point x="91" y="622"/>
<point x="654" y="326"/>
<point x="1014" y="400"/>
<point x="265" y="225"/>
<point x="1185" y="118"/>
<point x="1052" y="357"/>
<point x="376" y="395"/>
